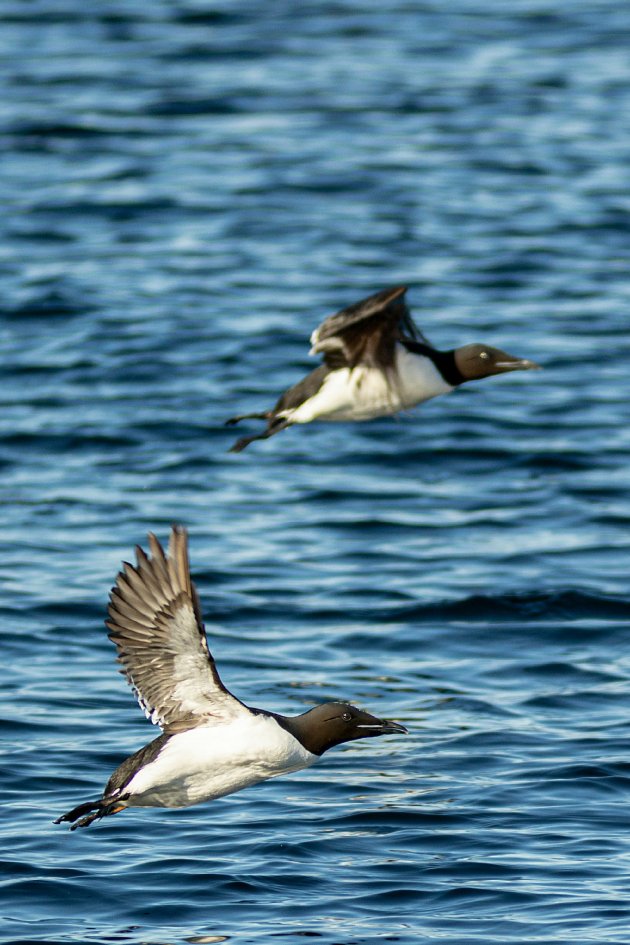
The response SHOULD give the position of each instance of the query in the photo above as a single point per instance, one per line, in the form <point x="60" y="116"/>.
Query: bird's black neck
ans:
<point x="443" y="360"/>
<point x="309" y="736"/>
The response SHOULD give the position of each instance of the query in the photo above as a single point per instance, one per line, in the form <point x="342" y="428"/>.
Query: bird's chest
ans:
<point x="213" y="761"/>
<point x="417" y="378"/>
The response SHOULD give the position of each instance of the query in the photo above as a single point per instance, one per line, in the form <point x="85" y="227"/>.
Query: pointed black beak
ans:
<point x="518" y="364"/>
<point x="392" y="728"/>
<point x="384" y="727"/>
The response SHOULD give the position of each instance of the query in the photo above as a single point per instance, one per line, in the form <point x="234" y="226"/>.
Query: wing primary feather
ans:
<point x="179" y="538"/>
<point x="158" y="560"/>
<point x="119" y="607"/>
<point x="178" y="551"/>
<point x="146" y="569"/>
<point x="117" y="619"/>
<point x="174" y="559"/>
<point x="143" y="586"/>
<point x="133" y="598"/>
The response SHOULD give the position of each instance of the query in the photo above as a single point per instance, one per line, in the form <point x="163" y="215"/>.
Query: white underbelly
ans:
<point x="364" y="393"/>
<point x="209" y="762"/>
<point x="349" y="395"/>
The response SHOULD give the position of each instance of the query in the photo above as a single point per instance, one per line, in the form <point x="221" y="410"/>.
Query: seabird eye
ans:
<point x="346" y="717"/>
<point x="484" y="355"/>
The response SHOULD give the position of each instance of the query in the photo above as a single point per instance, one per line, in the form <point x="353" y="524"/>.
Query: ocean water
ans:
<point x="188" y="189"/>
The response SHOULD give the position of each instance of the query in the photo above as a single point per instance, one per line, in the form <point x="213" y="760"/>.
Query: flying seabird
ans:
<point x="212" y="744"/>
<point x="376" y="363"/>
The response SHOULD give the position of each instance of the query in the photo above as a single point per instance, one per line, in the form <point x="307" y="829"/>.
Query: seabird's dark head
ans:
<point x="333" y="723"/>
<point x="476" y="361"/>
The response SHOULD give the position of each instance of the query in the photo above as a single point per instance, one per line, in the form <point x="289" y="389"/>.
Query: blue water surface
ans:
<point x="188" y="188"/>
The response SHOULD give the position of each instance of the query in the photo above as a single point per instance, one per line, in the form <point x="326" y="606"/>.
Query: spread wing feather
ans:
<point x="367" y="331"/>
<point x="155" y="623"/>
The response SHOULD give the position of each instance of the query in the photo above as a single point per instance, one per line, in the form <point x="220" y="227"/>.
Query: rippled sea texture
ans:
<point x="187" y="189"/>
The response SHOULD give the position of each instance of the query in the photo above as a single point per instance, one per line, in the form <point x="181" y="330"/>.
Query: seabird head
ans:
<point x="333" y="723"/>
<point x="476" y="361"/>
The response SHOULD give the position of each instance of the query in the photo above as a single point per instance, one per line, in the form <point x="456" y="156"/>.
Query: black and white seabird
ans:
<point x="376" y="363"/>
<point x="212" y="743"/>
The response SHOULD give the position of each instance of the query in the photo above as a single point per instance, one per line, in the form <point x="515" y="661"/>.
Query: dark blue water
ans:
<point x="187" y="189"/>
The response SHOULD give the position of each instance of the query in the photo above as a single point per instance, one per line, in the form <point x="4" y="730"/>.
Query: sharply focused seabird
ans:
<point x="212" y="743"/>
<point x="376" y="363"/>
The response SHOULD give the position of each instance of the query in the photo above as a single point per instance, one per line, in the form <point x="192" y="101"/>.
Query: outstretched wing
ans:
<point x="366" y="331"/>
<point x="155" y="622"/>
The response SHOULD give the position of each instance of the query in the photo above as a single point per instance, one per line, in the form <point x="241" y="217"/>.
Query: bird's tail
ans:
<point x="86" y="814"/>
